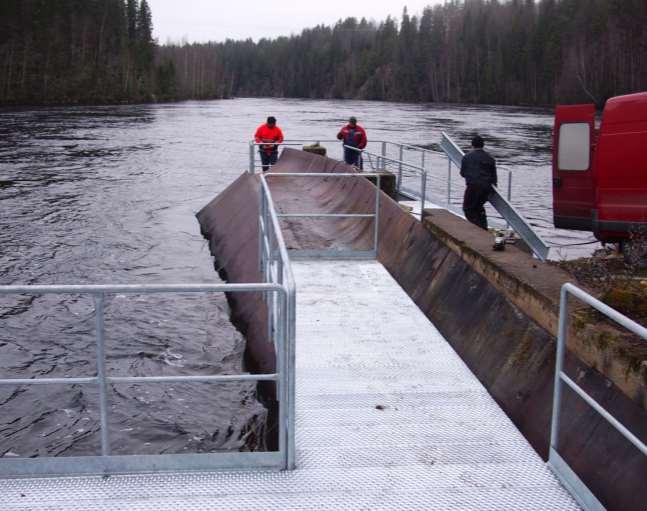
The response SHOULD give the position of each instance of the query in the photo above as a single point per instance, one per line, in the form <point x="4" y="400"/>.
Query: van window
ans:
<point x="574" y="146"/>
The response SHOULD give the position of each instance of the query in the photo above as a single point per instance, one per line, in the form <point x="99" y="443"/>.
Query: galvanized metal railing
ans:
<point x="331" y="253"/>
<point x="503" y="206"/>
<point x="254" y="164"/>
<point x="383" y="155"/>
<point x="278" y="284"/>
<point x="276" y="269"/>
<point x="381" y="162"/>
<point x="454" y="156"/>
<point x="559" y="466"/>
<point x="377" y="162"/>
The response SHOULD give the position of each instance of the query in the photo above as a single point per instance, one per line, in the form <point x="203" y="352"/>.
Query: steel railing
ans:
<point x="377" y="162"/>
<point x="254" y="164"/>
<point x="380" y="157"/>
<point x="559" y="466"/>
<point x="329" y="253"/>
<point x="382" y="162"/>
<point x="427" y="158"/>
<point x="275" y="268"/>
<point x="278" y="285"/>
<point x="507" y="211"/>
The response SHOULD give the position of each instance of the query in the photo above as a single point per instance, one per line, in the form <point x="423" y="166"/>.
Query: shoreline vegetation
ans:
<point x="500" y="52"/>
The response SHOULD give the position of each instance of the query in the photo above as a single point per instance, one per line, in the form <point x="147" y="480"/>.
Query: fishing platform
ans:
<point x="376" y="409"/>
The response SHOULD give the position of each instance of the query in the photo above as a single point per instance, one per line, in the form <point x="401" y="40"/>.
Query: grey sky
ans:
<point x="217" y="20"/>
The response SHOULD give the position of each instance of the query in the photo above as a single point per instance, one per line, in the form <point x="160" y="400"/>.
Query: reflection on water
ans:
<point x="104" y="195"/>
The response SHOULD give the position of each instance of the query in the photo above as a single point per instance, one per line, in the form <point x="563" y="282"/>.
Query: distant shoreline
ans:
<point x="28" y="106"/>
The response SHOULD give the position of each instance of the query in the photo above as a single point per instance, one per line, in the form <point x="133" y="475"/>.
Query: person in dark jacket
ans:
<point x="353" y="135"/>
<point x="269" y="135"/>
<point x="479" y="170"/>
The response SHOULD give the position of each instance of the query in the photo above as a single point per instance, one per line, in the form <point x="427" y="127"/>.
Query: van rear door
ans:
<point x="573" y="189"/>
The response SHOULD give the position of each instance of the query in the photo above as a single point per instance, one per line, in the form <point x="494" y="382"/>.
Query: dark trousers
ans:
<point x="268" y="159"/>
<point x="353" y="157"/>
<point x="475" y="198"/>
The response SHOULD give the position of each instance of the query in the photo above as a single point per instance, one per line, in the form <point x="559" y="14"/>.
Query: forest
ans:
<point x="78" y="51"/>
<point x="516" y="52"/>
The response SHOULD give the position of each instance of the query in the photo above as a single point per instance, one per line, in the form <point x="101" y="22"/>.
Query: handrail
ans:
<point x="334" y="254"/>
<point x="276" y="267"/>
<point x="382" y="159"/>
<point x="278" y="285"/>
<point x="561" y="468"/>
<point x="454" y="154"/>
<point x="504" y="207"/>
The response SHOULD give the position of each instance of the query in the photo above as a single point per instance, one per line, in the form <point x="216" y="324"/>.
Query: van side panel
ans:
<point x="621" y="168"/>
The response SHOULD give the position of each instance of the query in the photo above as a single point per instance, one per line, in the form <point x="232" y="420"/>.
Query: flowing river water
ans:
<point x="108" y="195"/>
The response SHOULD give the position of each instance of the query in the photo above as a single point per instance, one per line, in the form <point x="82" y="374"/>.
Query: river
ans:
<point x="108" y="195"/>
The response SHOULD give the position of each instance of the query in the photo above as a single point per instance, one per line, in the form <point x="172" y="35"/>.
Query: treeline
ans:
<point x="535" y="52"/>
<point x="70" y="51"/>
<point x="476" y="51"/>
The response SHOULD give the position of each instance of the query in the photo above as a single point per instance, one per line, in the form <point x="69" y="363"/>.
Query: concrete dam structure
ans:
<point x="498" y="310"/>
<point x="404" y="365"/>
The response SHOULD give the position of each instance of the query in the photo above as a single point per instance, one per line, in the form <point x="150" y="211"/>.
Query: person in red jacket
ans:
<point x="353" y="135"/>
<point x="270" y="136"/>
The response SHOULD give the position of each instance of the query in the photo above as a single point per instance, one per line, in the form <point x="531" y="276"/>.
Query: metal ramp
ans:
<point x="505" y="209"/>
<point x="387" y="417"/>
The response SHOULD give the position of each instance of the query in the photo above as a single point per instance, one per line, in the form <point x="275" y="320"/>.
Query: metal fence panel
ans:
<point x="278" y="284"/>
<point x="559" y="466"/>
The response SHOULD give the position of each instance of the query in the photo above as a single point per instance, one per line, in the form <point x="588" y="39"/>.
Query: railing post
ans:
<point x="376" y="219"/>
<point x="507" y="224"/>
<point x="252" y="158"/>
<point x="423" y="193"/>
<point x="559" y="362"/>
<point x="261" y="230"/>
<point x="422" y="160"/>
<point x="283" y="384"/>
<point x="269" y="268"/>
<point x="400" y="168"/>
<point x="449" y="180"/>
<point x="101" y="374"/>
<point x="289" y="337"/>
<point x="383" y="155"/>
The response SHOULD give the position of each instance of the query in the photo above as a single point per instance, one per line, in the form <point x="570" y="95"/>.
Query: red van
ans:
<point x="600" y="175"/>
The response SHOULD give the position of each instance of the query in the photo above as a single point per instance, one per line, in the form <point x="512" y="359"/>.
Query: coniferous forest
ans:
<point x="531" y="52"/>
<point x="78" y="51"/>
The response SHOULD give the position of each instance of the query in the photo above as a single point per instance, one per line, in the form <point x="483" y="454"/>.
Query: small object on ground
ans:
<point x="643" y="282"/>
<point x="380" y="407"/>
<point x="499" y="241"/>
<point x="315" y="148"/>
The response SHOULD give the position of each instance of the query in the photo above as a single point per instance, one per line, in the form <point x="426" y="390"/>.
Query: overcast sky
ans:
<point x="217" y="20"/>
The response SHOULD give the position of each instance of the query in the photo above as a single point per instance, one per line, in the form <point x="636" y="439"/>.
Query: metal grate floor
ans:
<point x="388" y="417"/>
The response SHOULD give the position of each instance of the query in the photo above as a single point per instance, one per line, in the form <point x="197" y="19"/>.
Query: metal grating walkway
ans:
<point x="388" y="417"/>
